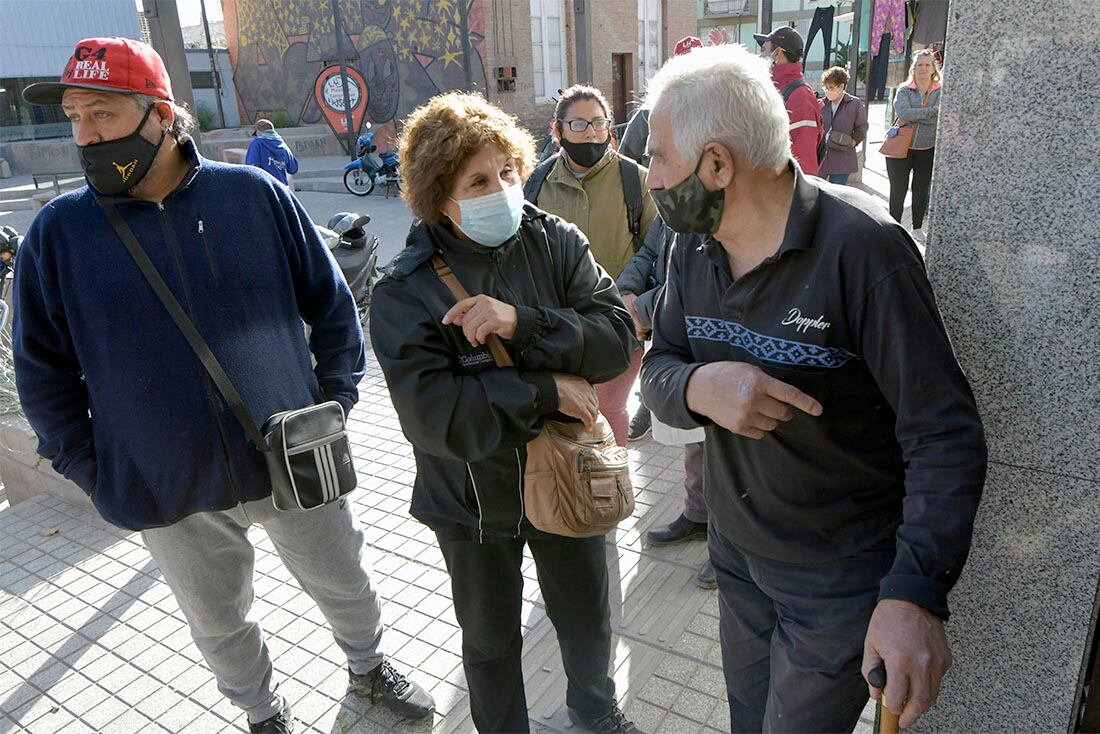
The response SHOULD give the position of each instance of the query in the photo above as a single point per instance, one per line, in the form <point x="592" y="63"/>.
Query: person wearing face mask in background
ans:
<point x="123" y="407"/>
<point x="535" y="285"/>
<point x="588" y="185"/>
<point x="783" y="48"/>
<point x="845" y="121"/>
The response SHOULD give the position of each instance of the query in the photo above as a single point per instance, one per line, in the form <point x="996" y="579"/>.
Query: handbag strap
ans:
<point x="496" y="347"/>
<point x="198" y="344"/>
<point x="924" y="103"/>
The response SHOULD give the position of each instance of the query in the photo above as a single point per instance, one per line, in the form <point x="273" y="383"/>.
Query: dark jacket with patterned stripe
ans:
<point x="844" y="312"/>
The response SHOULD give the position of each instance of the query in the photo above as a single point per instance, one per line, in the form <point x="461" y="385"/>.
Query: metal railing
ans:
<point x="725" y="7"/>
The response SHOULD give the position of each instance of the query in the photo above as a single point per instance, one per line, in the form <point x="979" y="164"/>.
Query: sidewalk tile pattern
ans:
<point x="91" y="639"/>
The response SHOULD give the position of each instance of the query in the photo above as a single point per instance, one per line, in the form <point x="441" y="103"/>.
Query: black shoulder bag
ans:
<point x="307" y="450"/>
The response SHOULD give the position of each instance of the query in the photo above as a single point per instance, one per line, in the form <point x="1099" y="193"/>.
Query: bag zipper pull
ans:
<point x="200" y="227"/>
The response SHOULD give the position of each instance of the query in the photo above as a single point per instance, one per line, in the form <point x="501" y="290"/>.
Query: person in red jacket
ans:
<point x="784" y="47"/>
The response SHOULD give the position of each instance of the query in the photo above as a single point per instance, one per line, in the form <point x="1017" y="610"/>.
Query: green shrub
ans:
<point x="208" y="118"/>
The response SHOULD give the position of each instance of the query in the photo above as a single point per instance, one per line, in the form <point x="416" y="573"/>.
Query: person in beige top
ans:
<point x="585" y="187"/>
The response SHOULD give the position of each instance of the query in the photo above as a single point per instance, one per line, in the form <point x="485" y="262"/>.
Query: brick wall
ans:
<point x="508" y="44"/>
<point x="614" y="30"/>
<point x="678" y="20"/>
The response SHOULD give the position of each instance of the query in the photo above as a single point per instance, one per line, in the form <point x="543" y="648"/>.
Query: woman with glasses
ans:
<point x="585" y="187"/>
<point x="535" y="286"/>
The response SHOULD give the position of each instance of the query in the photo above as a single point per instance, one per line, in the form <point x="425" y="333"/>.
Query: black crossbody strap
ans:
<point x="202" y="350"/>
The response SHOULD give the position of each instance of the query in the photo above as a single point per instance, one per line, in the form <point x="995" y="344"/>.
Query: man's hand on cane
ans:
<point x="910" y="641"/>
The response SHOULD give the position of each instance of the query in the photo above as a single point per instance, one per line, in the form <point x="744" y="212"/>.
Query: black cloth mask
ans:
<point x="585" y="154"/>
<point x="115" y="166"/>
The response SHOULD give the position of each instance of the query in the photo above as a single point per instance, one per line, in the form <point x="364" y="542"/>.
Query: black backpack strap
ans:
<point x="631" y="174"/>
<point x="202" y="350"/>
<point x="534" y="182"/>
<point x="789" y="89"/>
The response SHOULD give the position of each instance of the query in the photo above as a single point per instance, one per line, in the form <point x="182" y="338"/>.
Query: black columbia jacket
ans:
<point x="468" y="421"/>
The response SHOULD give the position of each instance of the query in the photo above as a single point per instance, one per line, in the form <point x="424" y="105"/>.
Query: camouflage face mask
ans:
<point x="688" y="207"/>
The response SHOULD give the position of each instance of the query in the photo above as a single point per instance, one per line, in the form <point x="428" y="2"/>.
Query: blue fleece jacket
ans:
<point x="269" y="152"/>
<point x="119" y="401"/>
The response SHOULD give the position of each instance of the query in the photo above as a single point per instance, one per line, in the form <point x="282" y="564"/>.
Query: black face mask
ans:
<point x="115" y="166"/>
<point x="585" y="154"/>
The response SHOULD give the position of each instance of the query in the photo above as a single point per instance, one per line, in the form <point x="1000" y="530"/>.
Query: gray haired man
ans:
<point x="844" y="454"/>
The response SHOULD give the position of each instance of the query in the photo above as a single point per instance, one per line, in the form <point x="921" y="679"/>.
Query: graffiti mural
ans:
<point x="402" y="52"/>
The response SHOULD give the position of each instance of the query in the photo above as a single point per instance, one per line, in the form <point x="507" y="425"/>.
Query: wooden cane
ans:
<point x="887" y="719"/>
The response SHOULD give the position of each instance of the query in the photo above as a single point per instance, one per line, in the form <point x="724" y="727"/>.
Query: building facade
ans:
<point x="399" y="53"/>
<point x="205" y="88"/>
<point x="615" y="45"/>
<point x="38" y="38"/>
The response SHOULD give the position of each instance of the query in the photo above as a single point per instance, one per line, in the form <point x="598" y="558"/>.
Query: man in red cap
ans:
<point x="123" y="407"/>
<point x="784" y="47"/>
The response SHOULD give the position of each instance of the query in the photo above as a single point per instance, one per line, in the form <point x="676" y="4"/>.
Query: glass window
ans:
<point x="547" y="48"/>
<point x="649" y="39"/>
<point x="22" y="121"/>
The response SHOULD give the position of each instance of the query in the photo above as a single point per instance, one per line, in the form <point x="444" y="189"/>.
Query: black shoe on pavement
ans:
<point x="679" y="530"/>
<point x="706" y="578"/>
<point x="640" y="424"/>
<point x="614" y="723"/>
<point x="401" y="695"/>
<point x="280" y="723"/>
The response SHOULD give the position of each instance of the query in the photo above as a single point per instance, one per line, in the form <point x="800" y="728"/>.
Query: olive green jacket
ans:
<point x="596" y="205"/>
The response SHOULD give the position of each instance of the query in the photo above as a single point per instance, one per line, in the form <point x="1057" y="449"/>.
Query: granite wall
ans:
<point x="1014" y="255"/>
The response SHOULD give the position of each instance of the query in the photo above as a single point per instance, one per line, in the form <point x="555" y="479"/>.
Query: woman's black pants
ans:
<point x="919" y="163"/>
<point x="487" y="587"/>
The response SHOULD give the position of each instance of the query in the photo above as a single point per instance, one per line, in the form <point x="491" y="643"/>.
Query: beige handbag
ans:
<point x="577" y="480"/>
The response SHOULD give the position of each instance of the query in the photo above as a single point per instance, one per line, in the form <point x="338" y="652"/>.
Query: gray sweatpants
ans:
<point x="207" y="560"/>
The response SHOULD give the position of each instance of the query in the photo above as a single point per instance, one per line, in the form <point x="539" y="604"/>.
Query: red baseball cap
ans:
<point x="686" y="44"/>
<point x="107" y="65"/>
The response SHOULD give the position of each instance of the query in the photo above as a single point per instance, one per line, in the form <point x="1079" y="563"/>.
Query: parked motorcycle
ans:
<point x="10" y="240"/>
<point x="356" y="252"/>
<point x="371" y="167"/>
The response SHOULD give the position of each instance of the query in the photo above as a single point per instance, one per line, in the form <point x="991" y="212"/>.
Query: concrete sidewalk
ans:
<point x="92" y="639"/>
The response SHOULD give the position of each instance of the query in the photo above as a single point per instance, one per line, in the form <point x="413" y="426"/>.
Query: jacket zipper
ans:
<point x="519" y="483"/>
<point x="177" y="257"/>
<point x="505" y="285"/>
<point x="209" y="255"/>
<point x="473" y="483"/>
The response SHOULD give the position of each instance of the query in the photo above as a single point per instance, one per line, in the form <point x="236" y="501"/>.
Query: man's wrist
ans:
<point x="697" y="389"/>
<point x="920" y="591"/>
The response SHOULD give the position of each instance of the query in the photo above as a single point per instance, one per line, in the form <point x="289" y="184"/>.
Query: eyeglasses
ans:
<point x="577" y="125"/>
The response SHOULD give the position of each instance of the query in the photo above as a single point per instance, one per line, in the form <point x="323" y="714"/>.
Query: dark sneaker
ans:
<point x="679" y="530"/>
<point x="640" y="424"/>
<point x="706" y="578"/>
<point x="614" y="723"/>
<point x="401" y="695"/>
<point x="280" y="723"/>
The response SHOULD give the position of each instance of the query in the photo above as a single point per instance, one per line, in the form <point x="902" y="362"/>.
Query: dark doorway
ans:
<point x="622" y="84"/>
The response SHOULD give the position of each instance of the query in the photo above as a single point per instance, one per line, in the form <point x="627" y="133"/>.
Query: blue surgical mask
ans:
<point x="493" y="219"/>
